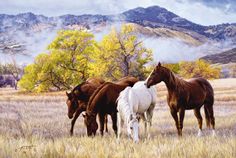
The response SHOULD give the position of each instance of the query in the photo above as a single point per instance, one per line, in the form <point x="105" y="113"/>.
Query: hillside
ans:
<point x="28" y="34"/>
<point x="223" y="58"/>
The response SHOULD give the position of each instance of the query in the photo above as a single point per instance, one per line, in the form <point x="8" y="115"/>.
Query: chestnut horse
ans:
<point x="102" y="102"/>
<point x="185" y="95"/>
<point x="78" y="98"/>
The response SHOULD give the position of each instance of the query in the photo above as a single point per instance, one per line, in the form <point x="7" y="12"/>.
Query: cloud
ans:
<point x="199" y="11"/>
<point x="226" y="5"/>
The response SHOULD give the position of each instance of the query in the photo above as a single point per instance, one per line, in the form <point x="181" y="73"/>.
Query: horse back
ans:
<point x="191" y="94"/>
<point x="95" y="81"/>
<point x="104" y="98"/>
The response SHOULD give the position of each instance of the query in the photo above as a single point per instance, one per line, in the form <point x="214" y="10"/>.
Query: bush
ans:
<point x="198" y="68"/>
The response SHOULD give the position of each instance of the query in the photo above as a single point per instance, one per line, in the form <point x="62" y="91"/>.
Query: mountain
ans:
<point x="225" y="57"/>
<point x="27" y="33"/>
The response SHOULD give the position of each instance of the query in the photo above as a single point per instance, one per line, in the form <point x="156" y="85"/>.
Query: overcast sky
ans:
<point x="205" y="12"/>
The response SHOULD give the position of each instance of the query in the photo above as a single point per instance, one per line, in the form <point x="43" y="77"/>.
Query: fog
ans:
<point x="173" y="50"/>
<point x="164" y="49"/>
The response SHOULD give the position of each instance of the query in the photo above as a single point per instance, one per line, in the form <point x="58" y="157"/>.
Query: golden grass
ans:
<point x="36" y="125"/>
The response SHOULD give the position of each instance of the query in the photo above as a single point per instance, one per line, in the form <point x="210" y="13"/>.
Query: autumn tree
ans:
<point x="173" y="67"/>
<point x="121" y="53"/>
<point x="66" y="64"/>
<point x="199" y="68"/>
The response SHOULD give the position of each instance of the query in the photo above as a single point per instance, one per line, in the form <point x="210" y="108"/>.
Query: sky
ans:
<point x="204" y="12"/>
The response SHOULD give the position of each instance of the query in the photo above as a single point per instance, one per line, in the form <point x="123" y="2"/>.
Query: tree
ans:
<point x="173" y="67"/>
<point x="121" y="53"/>
<point x="66" y="64"/>
<point x="199" y="68"/>
<point x="74" y="56"/>
<point x="12" y="69"/>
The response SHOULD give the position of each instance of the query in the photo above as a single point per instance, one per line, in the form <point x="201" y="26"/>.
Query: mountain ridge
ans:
<point x="153" y="21"/>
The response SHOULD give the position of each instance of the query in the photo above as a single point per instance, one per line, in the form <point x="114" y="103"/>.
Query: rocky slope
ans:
<point x="25" y="33"/>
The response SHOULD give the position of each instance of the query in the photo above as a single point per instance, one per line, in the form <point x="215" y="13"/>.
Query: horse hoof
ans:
<point x="214" y="133"/>
<point x="199" y="133"/>
<point x="136" y="141"/>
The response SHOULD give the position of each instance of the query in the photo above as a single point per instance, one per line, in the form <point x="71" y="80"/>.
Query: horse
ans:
<point x="102" y="102"/>
<point x="133" y="103"/>
<point x="78" y="98"/>
<point x="185" y="95"/>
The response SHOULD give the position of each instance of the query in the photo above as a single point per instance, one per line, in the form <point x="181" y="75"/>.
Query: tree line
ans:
<point x="75" y="55"/>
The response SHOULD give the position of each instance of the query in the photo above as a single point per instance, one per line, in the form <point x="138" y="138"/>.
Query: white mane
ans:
<point x="123" y="106"/>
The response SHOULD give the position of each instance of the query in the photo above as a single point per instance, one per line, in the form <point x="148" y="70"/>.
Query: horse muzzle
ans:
<point x="70" y="116"/>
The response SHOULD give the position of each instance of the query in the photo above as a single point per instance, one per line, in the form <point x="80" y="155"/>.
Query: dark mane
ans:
<point x="78" y="87"/>
<point x="95" y="93"/>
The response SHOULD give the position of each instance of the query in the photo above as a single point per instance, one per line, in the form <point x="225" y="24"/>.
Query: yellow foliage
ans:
<point x="198" y="68"/>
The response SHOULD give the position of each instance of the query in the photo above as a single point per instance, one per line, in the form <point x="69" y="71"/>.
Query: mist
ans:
<point x="172" y="50"/>
<point x="169" y="50"/>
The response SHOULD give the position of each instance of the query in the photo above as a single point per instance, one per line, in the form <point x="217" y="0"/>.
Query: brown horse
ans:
<point x="78" y="98"/>
<point x="185" y="95"/>
<point x="102" y="102"/>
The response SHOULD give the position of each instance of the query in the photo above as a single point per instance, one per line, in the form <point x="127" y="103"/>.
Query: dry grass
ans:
<point x="33" y="125"/>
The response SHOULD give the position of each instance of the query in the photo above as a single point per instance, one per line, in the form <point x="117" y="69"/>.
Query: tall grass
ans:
<point x="36" y="125"/>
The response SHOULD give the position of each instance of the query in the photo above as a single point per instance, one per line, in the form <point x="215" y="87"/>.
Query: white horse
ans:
<point x="134" y="103"/>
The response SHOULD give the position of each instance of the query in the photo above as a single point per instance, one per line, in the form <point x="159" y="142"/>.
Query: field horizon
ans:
<point x="37" y="125"/>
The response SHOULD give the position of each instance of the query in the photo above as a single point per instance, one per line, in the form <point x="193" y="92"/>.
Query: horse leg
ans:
<point x="149" y="114"/>
<point x="208" y="120"/>
<point x="197" y="113"/>
<point x="175" y="116"/>
<point x="181" y="120"/>
<point x="73" y="121"/>
<point x="211" y="116"/>
<point x="101" y="120"/>
<point x="119" y="122"/>
<point x="114" y="122"/>
<point x="106" y="121"/>
<point x="143" y="117"/>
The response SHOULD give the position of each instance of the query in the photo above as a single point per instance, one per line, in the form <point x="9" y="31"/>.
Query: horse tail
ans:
<point x="208" y="104"/>
<point x="95" y="93"/>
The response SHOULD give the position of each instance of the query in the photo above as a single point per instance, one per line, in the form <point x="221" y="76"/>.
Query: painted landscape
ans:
<point x="64" y="70"/>
<point x="37" y="126"/>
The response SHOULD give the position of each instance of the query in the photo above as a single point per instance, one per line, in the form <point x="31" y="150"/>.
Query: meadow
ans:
<point x="37" y="125"/>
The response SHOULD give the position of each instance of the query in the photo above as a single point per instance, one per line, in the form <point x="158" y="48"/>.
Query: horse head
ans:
<point x="91" y="123"/>
<point x="72" y="104"/>
<point x="133" y="127"/>
<point x="156" y="76"/>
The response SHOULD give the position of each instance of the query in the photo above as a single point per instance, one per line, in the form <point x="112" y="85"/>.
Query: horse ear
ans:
<point x="76" y="92"/>
<point x="159" y="64"/>
<point x="67" y="94"/>
<point x="131" y="117"/>
<point x="83" y="114"/>
<point x="138" y="117"/>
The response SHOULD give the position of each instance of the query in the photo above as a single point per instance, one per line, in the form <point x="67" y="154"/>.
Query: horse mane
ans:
<point x="176" y="83"/>
<point x="127" y="81"/>
<point x="123" y="99"/>
<point x="78" y="87"/>
<point x="95" y="93"/>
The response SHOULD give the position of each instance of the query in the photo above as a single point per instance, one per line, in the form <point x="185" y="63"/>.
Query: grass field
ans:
<point x="33" y="125"/>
